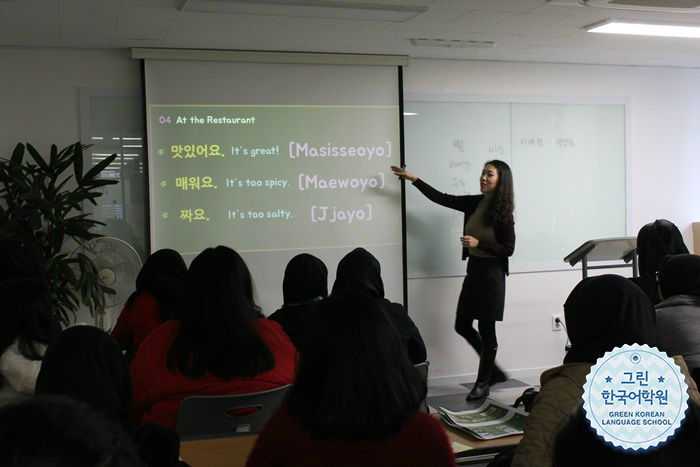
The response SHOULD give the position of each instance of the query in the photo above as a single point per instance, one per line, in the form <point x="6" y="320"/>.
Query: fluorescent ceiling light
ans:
<point x="410" y="114"/>
<point x="676" y="6"/>
<point x="643" y="28"/>
<point x="450" y="44"/>
<point x="308" y="9"/>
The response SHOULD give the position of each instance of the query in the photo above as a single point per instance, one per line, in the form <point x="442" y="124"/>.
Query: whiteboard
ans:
<point x="569" y="168"/>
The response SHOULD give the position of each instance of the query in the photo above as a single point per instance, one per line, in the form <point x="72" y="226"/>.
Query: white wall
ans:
<point x="40" y="92"/>
<point x="664" y="153"/>
<point x="39" y="98"/>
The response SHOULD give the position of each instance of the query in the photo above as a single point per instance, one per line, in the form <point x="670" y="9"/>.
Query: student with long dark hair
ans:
<point x="57" y="431"/>
<point x="360" y="271"/>
<point x="86" y="364"/>
<point x="21" y="257"/>
<point x="157" y="289"/>
<point x="304" y="286"/>
<point x="27" y="327"/>
<point x="356" y="398"/>
<point x="488" y="241"/>
<point x="222" y="343"/>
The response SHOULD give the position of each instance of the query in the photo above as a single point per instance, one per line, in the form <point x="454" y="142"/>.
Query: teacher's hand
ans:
<point x="469" y="241"/>
<point x="401" y="173"/>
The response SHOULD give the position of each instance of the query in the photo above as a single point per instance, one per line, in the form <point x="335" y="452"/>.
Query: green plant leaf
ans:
<point x="99" y="182"/>
<point x="78" y="162"/>
<point x="31" y="196"/>
<point x="93" y="172"/>
<point x="37" y="157"/>
<point x="62" y="166"/>
<point x="54" y="155"/>
<point x="18" y="154"/>
<point x="34" y="202"/>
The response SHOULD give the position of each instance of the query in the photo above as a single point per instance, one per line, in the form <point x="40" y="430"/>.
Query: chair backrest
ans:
<point x="423" y="371"/>
<point x="239" y="414"/>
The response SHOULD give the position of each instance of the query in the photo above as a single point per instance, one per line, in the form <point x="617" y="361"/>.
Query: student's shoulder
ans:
<point x="271" y="330"/>
<point x="164" y="333"/>
<point x="423" y="421"/>
<point x="268" y="325"/>
<point x="145" y="298"/>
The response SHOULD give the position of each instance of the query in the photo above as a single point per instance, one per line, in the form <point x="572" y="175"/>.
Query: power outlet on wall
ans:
<point x="557" y="323"/>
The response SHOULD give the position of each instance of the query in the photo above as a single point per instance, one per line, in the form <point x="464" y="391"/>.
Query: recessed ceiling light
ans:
<point x="643" y="28"/>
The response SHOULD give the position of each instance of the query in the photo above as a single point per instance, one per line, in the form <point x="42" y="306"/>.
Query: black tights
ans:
<point x="484" y="342"/>
<point x="485" y="336"/>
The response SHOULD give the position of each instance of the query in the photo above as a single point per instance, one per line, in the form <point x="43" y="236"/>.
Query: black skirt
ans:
<point x="483" y="293"/>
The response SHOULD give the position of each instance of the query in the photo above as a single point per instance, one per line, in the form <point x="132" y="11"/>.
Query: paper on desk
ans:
<point x="489" y="421"/>
<point x="459" y="447"/>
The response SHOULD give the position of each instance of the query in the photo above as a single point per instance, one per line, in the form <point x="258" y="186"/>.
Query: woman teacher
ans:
<point x="488" y="241"/>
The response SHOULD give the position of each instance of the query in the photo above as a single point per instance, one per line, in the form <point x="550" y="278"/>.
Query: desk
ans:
<point x="482" y="450"/>
<point x="229" y="451"/>
<point x="232" y="451"/>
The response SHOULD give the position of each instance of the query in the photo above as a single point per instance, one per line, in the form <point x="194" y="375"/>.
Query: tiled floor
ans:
<point x="453" y="397"/>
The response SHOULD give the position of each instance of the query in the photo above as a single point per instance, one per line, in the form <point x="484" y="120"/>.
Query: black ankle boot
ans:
<point x="479" y="391"/>
<point x="497" y="376"/>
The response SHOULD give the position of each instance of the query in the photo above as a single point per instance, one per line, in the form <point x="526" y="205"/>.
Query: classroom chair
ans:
<point x="423" y="371"/>
<point x="232" y="415"/>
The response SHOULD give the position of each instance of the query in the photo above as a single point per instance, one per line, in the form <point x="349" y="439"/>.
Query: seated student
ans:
<point x="578" y="445"/>
<point x="27" y="327"/>
<point x="86" y="364"/>
<point x="305" y="285"/>
<point x="601" y="313"/>
<point x="21" y="258"/>
<point x="678" y="315"/>
<point x="57" y="431"/>
<point x="222" y="344"/>
<point x="153" y="303"/>
<point x="654" y="241"/>
<point x="356" y="398"/>
<point x="359" y="270"/>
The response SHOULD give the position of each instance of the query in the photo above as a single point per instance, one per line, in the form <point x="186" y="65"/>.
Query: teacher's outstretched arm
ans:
<point x="443" y="199"/>
<point x="403" y="174"/>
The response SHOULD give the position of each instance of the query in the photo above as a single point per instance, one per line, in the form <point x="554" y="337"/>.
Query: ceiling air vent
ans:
<point x="678" y="6"/>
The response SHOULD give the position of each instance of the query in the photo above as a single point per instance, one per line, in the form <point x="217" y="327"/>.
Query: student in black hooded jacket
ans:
<point x="305" y="285"/>
<point x="654" y="241"/>
<point x="359" y="270"/>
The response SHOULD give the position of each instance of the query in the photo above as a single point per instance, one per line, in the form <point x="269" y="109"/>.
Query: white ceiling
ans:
<point x="524" y="30"/>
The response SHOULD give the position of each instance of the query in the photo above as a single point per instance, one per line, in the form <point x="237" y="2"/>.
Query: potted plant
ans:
<point x="36" y="202"/>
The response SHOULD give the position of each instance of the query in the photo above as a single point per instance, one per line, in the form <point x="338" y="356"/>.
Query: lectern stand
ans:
<point x="606" y="249"/>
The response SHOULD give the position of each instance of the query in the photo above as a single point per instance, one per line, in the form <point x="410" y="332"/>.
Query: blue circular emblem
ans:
<point x="635" y="397"/>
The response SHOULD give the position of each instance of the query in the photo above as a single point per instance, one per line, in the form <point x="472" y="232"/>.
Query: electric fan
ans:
<point x="117" y="264"/>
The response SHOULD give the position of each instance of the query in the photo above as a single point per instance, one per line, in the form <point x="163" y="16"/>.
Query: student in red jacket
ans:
<point x="356" y="398"/>
<point x="157" y="289"/>
<point x="221" y="345"/>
